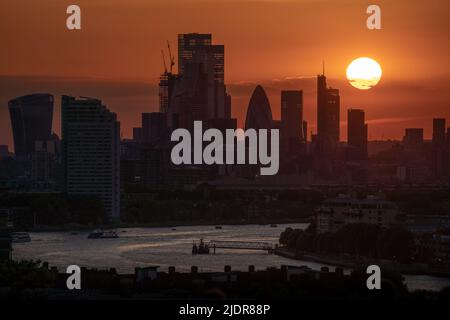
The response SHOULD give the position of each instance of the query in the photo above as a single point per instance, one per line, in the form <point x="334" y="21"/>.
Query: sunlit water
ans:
<point x="165" y="247"/>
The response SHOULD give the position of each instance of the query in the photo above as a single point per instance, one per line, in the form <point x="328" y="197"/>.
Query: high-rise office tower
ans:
<point x="438" y="157"/>
<point x="91" y="151"/>
<point x="201" y="71"/>
<point x="154" y="128"/>
<point x="447" y="139"/>
<point x="292" y="144"/>
<point x="357" y="135"/>
<point x="31" y="120"/>
<point x="259" y="116"/>
<point x="43" y="161"/>
<point x="438" y="131"/>
<point x="166" y="86"/>
<point x="328" y="116"/>
<point x="413" y="137"/>
<point x="259" y="113"/>
<point x="137" y="135"/>
<point x="305" y="131"/>
<point x="198" y="48"/>
<point x="292" y="114"/>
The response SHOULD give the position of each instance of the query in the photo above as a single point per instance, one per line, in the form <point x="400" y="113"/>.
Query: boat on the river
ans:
<point x="219" y="227"/>
<point x="201" y="248"/>
<point x="20" y="237"/>
<point x="103" y="234"/>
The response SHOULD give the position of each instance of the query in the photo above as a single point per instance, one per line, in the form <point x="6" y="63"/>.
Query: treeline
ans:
<point x="55" y="209"/>
<point x="218" y="206"/>
<point x="359" y="239"/>
<point x="25" y="275"/>
<point x="157" y="210"/>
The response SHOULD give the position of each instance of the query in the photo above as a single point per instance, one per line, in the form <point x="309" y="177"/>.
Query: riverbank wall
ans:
<point x="353" y="263"/>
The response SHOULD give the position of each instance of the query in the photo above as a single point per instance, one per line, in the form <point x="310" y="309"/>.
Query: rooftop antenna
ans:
<point x="172" y="59"/>
<point x="164" y="61"/>
<point x="323" y="67"/>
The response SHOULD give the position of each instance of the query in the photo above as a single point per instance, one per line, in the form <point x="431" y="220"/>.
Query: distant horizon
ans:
<point x="123" y="93"/>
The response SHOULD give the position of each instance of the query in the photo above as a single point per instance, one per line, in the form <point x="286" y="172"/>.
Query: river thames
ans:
<point x="164" y="247"/>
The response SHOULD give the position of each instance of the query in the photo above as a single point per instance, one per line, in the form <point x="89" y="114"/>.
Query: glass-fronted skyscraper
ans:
<point x="259" y="113"/>
<point x="328" y="116"/>
<point x="31" y="121"/>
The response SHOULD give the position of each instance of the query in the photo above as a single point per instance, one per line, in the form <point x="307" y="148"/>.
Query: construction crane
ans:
<point x="164" y="61"/>
<point x="172" y="59"/>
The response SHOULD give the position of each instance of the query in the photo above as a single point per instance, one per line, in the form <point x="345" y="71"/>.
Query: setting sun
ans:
<point x="364" y="73"/>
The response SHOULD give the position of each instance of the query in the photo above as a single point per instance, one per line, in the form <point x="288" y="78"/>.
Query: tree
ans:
<point x="397" y="243"/>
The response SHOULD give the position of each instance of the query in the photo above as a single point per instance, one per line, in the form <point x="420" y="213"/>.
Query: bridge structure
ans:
<point x="243" y="245"/>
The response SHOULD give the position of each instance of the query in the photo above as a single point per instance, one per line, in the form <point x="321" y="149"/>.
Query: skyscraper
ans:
<point x="200" y="83"/>
<point x="31" y="120"/>
<point x="357" y="135"/>
<point x="91" y="151"/>
<point x="292" y="143"/>
<point x="328" y="116"/>
<point x="153" y="128"/>
<point x="198" y="48"/>
<point x="438" y="131"/>
<point x="166" y="85"/>
<point x="447" y="139"/>
<point x="305" y="131"/>
<point x="189" y="99"/>
<point x="43" y="161"/>
<point x="259" y="113"/>
<point x="292" y="114"/>
<point x="137" y="135"/>
<point x="438" y="152"/>
<point x="413" y="137"/>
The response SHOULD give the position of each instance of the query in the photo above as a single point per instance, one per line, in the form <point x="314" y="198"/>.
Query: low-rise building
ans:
<point x="342" y="210"/>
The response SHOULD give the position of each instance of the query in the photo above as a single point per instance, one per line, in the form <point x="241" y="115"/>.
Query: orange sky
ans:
<point x="278" y="43"/>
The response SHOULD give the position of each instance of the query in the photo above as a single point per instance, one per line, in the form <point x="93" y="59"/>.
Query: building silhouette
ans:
<point x="305" y="131"/>
<point x="198" y="48"/>
<point x="31" y="121"/>
<point x="356" y="135"/>
<point x="438" y="148"/>
<point x="292" y="141"/>
<point x="198" y="92"/>
<point x="166" y="86"/>
<point x="413" y="137"/>
<point x="137" y="134"/>
<point x="325" y="148"/>
<point x="328" y="116"/>
<point x="259" y="113"/>
<point x="292" y="114"/>
<point x="154" y="128"/>
<point x="91" y="151"/>
<point x="189" y="99"/>
<point x="438" y="131"/>
<point x="4" y="151"/>
<point x="43" y="160"/>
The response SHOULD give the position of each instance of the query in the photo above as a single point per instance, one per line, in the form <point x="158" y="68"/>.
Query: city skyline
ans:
<point x="405" y="97"/>
<point x="183" y="152"/>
